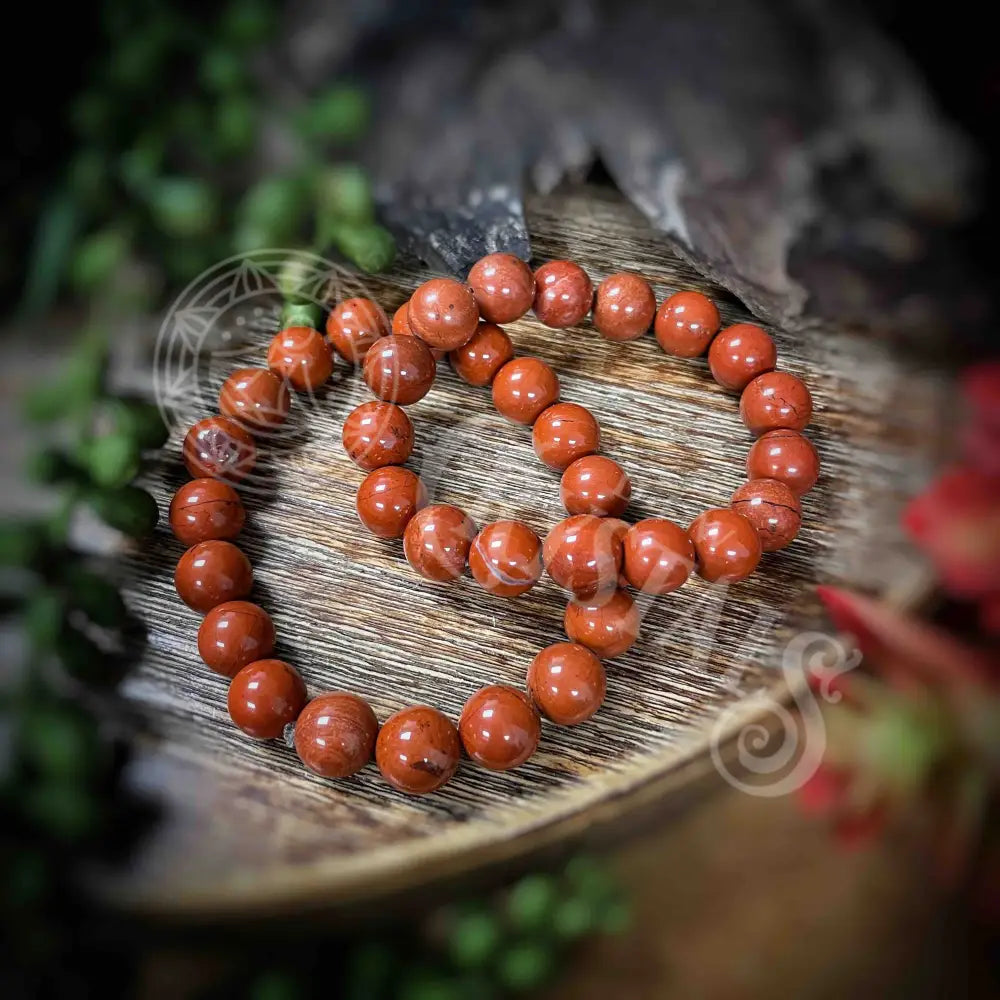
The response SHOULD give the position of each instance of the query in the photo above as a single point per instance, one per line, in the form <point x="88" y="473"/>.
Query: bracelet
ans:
<point x="593" y="554"/>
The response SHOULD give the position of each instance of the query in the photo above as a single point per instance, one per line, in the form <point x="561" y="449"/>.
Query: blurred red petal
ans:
<point x="824" y="790"/>
<point x="857" y="829"/>
<point x="981" y="389"/>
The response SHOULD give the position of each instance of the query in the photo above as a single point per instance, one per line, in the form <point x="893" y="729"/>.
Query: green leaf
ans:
<point x="140" y="166"/>
<point x="23" y="544"/>
<point x="474" y="939"/>
<point x="428" y="984"/>
<point x="60" y="740"/>
<point x="44" y="619"/>
<point x="88" y="175"/>
<point x="274" y="205"/>
<point x="65" y="809"/>
<point x="95" y="596"/>
<point x="50" y="252"/>
<point x="85" y="661"/>
<point x="235" y="126"/>
<point x="525" y="966"/>
<point x="371" y="247"/>
<point x="112" y="460"/>
<point x="128" y="509"/>
<point x="50" y="466"/>
<point x="247" y="22"/>
<point x="183" y="206"/>
<point x="140" y="420"/>
<point x="75" y="389"/>
<point x="341" y="114"/>
<point x="343" y="194"/>
<point x="531" y="902"/>
<point x="301" y="314"/>
<point x="222" y="70"/>
<point x="573" y="918"/>
<point x="97" y="258"/>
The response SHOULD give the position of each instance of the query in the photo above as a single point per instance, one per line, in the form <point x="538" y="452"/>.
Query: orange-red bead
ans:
<point x="418" y="750"/>
<point x="302" y="357"/>
<point x="234" y="634"/>
<point x="264" y="697"/>
<point x="256" y="397"/>
<point x="741" y="353"/>
<point x="658" y="557"/>
<point x="624" y="307"/>
<point x="500" y="728"/>
<point x="776" y="401"/>
<point x="400" y="369"/>
<point x="478" y="360"/>
<point x="563" y="433"/>
<point x="437" y="540"/>
<point x="219" y="448"/>
<point x="595" y="485"/>
<point x="607" y="625"/>
<point x="335" y="734"/>
<point x="353" y="326"/>
<point x="443" y="312"/>
<point x="377" y="433"/>
<point x="211" y="573"/>
<point x="504" y="287"/>
<point x="563" y="294"/>
<point x="506" y="558"/>
<point x="523" y="388"/>
<point x="773" y="509"/>
<point x="726" y="544"/>
<point x="786" y="456"/>
<point x="401" y="320"/>
<point x="583" y="554"/>
<point x="204" y="509"/>
<point x="388" y="498"/>
<point x="567" y="683"/>
<point x="686" y="323"/>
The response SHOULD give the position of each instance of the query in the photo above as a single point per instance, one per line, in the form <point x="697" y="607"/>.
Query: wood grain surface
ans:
<point x="247" y="830"/>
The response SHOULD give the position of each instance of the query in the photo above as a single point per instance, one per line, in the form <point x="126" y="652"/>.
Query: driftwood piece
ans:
<point x="247" y="830"/>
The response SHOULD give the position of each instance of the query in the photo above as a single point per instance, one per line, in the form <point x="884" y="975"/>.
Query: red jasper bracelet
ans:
<point x="592" y="554"/>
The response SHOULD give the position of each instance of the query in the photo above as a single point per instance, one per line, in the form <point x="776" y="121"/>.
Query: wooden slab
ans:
<point x="248" y="831"/>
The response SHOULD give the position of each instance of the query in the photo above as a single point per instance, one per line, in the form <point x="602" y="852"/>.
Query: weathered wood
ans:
<point x="248" y="830"/>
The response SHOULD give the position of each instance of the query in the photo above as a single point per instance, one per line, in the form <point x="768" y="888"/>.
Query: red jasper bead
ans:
<point x="563" y="294"/>
<point x="727" y="545"/>
<point x="506" y="558"/>
<point x="563" y="433"/>
<point x="377" y="434"/>
<point x="401" y="320"/>
<point x="659" y="556"/>
<point x="583" y="554"/>
<point x="773" y="509"/>
<point x="686" y="323"/>
<point x="256" y="397"/>
<point x="437" y="540"/>
<point x="523" y="388"/>
<point x="741" y="353"/>
<point x="219" y="448"/>
<point x="500" y="728"/>
<point x="624" y="307"/>
<point x="388" y="498"/>
<point x="786" y="456"/>
<point x="335" y="734"/>
<point x="266" y="696"/>
<point x="607" y="625"/>
<point x="400" y="369"/>
<point x="443" y="312"/>
<point x="595" y="485"/>
<point x="504" y="287"/>
<point x="301" y="356"/>
<point x="211" y="573"/>
<point x="204" y="509"/>
<point x="776" y="401"/>
<point x="353" y="326"/>
<point x="418" y="750"/>
<point x="478" y="360"/>
<point x="234" y="634"/>
<point x="567" y="683"/>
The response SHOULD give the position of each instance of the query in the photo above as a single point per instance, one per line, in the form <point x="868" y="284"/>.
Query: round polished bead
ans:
<point x="204" y="509"/>
<point x="302" y="356"/>
<point x="567" y="683"/>
<point x="377" y="433"/>
<point x="786" y="456"/>
<point x="624" y="307"/>
<point x="353" y="326"/>
<point x="437" y="540"/>
<point x="773" y="509"/>
<point x="478" y="360"/>
<point x="219" y="448"/>
<point x="335" y="734"/>
<point x="400" y="369"/>
<point x="595" y="485"/>
<point x="583" y="554"/>
<point x="686" y="323"/>
<point x="659" y="556"/>
<point x="500" y="728"/>
<point x="726" y="544"/>
<point x="418" y="750"/>
<point x="401" y="320"/>
<point x="234" y="634"/>
<point x="608" y="626"/>
<point x="741" y="353"/>
<point x="256" y="397"/>
<point x="563" y="433"/>
<point x="388" y="498"/>
<point x="212" y="573"/>
<point x="563" y="294"/>
<point x="506" y="558"/>
<point x="443" y="312"/>
<point x="523" y="388"/>
<point x="504" y="287"/>
<point x="264" y="697"/>
<point x="776" y="401"/>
